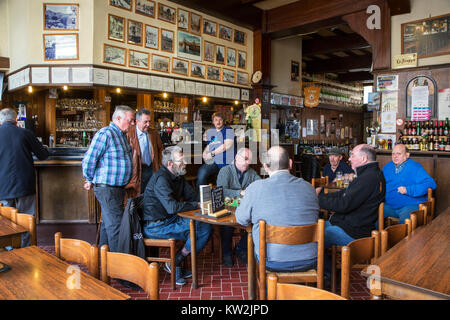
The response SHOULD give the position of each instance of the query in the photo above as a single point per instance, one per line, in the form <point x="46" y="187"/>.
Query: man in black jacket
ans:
<point x="17" y="176"/>
<point x="167" y="193"/>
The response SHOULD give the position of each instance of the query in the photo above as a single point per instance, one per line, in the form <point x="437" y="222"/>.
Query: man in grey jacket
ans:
<point x="235" y="178"/>
<point x="281" y="200"/>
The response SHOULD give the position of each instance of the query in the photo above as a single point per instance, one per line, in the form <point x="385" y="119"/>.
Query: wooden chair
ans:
<point x="78" y="251"/>
<point x="320" y="182"/>
<point x="357" y="252"/>
<point x="381" y="217"/>
<point x="8" y="212"/>
<point x="130" y="268"/>
<point x="162" y="243"/>
<point x="288" y="291"/>
<point x="394" y="234"/>
<point x="290" y="236"/>
<point x="27" y="221"/>
<point x="427" y="207"/>
<point x="431" y="199"/>
<point x="418" y="218"/>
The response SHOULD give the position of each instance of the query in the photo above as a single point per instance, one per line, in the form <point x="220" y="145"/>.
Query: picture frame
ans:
<point x="58" y="46"/>
<point x="59" y="16"/>
<point x="427" y="37"/>
<point x="166" y="13"/>
<point x="138" y="59"/>
<point x="180" y="66"/>
<point x="134" y="32"/>
<point x="183" y="19"/>
<point x="116" y="28"/>
<point x="114" y="55"/>
<point x="189" y="46"/>
<point x="231" y="57"/>
<point x="122" y="4"/>
<point x="225" y="32"/>
<point x="160" y="63"/>
<point x="209" y="27"/>
<point x="213" y="73"/>
<point x="242" y="59"/>
<point x="151" y="37"/>
<point x="195" y="23"/>
<point x="145" y="8"/>
<point x="228" y="75"/>
<point x="295" y="71"/>
<point x="242" y="78"/>
<point x="240" y="37"/>
<point x="197" y="70"/>
<point x="220" y="54"/>
<point x="167" y="40"/>
<point x="208" y="51"/>
<point x="422" y="81"/>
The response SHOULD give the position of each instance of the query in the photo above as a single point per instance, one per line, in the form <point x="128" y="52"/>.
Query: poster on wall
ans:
<point x="374" y="101"/>
<point x="312" y="127"/>
<point x="389" y="101"/>
<point x="388" y="124"/>
<point x="420" y="108"/>
<point x="387" y="83"/>
<point x="189" y="46"/>
<point x="444" y="103"/>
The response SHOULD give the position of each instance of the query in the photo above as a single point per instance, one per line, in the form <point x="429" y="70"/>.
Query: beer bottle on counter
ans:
<point x="436" y="129"/>
<point x="413" y="130"/>
<point x="442" y="145"/>
<point x="436" y="143"/>
<point x="441" y="128"/>
<point x="418" y="130"/>
<point x="447" y="145"/>
<point x="430" y="144"/>
<point x="446" y="128"/>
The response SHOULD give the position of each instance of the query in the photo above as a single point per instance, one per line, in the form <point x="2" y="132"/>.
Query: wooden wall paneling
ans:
<point x="100" y="95"/>
<point x="145" y="101"/>
<point x="50" y="118"/>
<point x="443" y="184"/>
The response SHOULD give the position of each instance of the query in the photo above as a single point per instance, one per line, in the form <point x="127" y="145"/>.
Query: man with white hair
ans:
<point x="107" y="165"/>
<point x="168" y="193"/>
<point x="17" y="176"/>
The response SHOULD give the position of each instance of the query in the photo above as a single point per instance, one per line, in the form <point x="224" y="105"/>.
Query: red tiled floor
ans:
<point x="218" y="282"/>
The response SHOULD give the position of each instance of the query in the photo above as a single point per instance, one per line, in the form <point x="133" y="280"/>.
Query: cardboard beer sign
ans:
<point x="312" y="95"/>
<point x="205" y="199"/>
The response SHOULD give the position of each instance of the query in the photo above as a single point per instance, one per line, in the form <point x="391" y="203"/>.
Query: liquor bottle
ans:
<point x="442" y="145"/>
<point x="430" y="144"/>
<point x="413" y="130"/>
<point x="446" y="128"/>
<point x="447" y="145"/>
<point x="427" y="128"/>
<point x="441" y="128"/>
<point x="436" y="144"/>
<point x="436" y="129"/>
<point x="419" y="129"/>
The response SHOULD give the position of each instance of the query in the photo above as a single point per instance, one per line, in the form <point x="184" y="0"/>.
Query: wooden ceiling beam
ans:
<point x="4" y="63"/>
<point x="338" y="64"/>
<point x="332" y="44"/>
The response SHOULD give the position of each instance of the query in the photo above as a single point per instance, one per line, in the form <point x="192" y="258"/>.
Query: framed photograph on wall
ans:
<point x="151" y="37"/>
<point x="213" y="73"/>
<point x="160" y="63"/>
<point x="145" y="7"/>
<point x="167" y="40"/>
<point x="189" y="46"/>
<point x="210" y="27"/>
<point x="166" y="13"/>
<point x="295" y="71"/>
<point x="242" y="59"/>
<point x="183" y="19"/>
<point x="239" y="37"/>
<point x="197" y="70"/>
<point x="134" y="32"/>
<point x="123" y="4"/>
<point x="60" y="46"/>
<point x="220" y="54"/>
<point x="225" y="32"/>
<point x="242" y="78"/>
<point x="114" y="55"/>
<point x="116" y="28"/>
<point x="195" y="23"/>
<point x="228" y="75"/>
<point x="138" y="59"/>
<point x="61" y="16"/>
<point x="231" y="57"/>
<point x="180" y="66"/>
<point x="208" y="51"/>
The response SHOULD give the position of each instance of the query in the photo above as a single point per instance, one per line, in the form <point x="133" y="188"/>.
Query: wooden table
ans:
<point x="10" y="233"/>
<point x="224" y="221"/>
<point x="333" y="187"/>
<point x="38" y="275"/>
<point x="418" y="267"/>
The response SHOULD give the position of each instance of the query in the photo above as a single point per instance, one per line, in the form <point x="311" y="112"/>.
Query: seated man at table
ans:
<point x="281" y="200"/>
<point x="234" y="179"/>
<point x="407" y="184"/>
<point x="335" y="165"/>
<point x="167" y="193"/>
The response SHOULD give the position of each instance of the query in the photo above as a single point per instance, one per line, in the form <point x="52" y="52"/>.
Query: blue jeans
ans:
<point x="400" y="213"/>
<point x="226" y="235"/>
<point x="205" y="172"/>
<point x="111" y="203"/>
<point x="334" y="235"/>
<point x="27" y="205"/>
<point x="179" y="228"/>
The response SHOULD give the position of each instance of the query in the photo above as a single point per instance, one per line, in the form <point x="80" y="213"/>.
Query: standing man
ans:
<point x="17" y="176"/>
<point x="107" y="165"/>
<point x="235" y="178"/>
<point x="281" y="200"/>
<point x="219" y="152"/>
<point x="147" y="147"/>
<point x="407" y="184"/>
<point x="335" y="165"/>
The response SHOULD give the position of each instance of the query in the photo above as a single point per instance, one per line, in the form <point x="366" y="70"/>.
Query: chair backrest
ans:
<point x="130" y="268"/>
<point x="78" y="251"/>
<point x="431" y="199"/>
<point x="319" y="182"/>
<point x="418" y="218"/>
<point x="426" y="206"/>
<point x="27" y="221"/>
<point x="381" y="217"/>
<point x="356" y="252"/>
<point x="292" y="235"/>
<point x="394" y="234"/>
<point x="8" y="212"/>
<point x="288" y="291"/>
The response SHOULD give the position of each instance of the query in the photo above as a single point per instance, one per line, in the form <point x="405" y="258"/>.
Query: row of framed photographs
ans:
<point x="143" y="60"/>
<point x="185" y="20"/>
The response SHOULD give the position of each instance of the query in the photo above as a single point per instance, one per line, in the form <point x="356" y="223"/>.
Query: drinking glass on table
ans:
<point x="339" y="178"/>
<point x="346" y="180"/>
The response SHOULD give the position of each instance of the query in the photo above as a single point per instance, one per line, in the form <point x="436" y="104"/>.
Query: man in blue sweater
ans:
<point x="407" y="184"/>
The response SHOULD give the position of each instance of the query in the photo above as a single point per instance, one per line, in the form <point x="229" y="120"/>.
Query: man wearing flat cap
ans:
<point x="335" y="165"/>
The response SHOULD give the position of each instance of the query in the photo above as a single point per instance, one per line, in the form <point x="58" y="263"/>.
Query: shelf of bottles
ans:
<point x="77" y="122"/>
<point x="322" y="147"/>
<point x="432" y="135"/>
<point x="169" y="107"/>
<point x="335" y="93"/>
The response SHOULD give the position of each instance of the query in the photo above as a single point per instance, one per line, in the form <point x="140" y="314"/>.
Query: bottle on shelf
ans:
<point x="441" y="128"/>
<point x="447" y="145"/>
<point x="446" y="127"/>
<point x="442" y="145"/>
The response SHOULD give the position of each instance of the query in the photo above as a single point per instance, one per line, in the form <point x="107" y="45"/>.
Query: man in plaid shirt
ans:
<point x="107" y="166"/>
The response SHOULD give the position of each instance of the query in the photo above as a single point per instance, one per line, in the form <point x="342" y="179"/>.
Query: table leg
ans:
<point x="193" y="255"/>
<point x="250" y="265"/>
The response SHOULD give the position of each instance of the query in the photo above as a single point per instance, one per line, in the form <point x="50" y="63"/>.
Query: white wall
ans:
<point x="4" y="29"/>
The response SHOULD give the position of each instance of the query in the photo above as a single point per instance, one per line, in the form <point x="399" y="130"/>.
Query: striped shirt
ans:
<point x="108" y="159"/>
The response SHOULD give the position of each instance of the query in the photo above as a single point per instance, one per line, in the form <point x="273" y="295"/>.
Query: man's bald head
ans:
<point x="399" y="154"/>
<point x="277" y="158"/>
